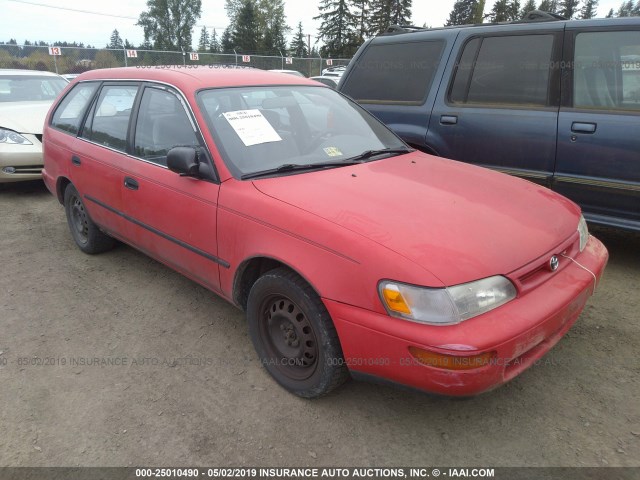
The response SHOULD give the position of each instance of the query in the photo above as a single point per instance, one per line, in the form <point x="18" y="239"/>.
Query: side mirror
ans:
<point x="184" y="160"/>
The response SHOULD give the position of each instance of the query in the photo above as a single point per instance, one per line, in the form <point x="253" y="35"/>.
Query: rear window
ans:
<point x="508" y="70"/>
<point x="69" y="113"/>
<point x="394" y="73"/>
<point x="30" y="88"/>
<point x="607" y="70"/>
<point x="109" y="117"/>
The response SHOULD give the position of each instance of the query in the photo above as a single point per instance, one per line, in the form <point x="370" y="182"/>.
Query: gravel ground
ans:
<point x="154" y="407"/>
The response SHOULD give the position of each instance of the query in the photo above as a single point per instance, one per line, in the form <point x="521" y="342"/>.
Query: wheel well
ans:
<point x="248" y="272"/>
<point x="61" y="186"/>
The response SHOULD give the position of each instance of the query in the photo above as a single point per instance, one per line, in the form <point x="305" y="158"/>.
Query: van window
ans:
<point x="109" y="118"/>
<point x="394" y="73"/>
<point x="607" y="70"/>
<point x="162" y="124"/>
<point x="69" y="113"/>
<point x="509" y="70"/>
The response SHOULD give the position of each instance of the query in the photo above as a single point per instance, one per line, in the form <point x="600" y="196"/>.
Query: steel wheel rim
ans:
<point x="79" y="219"/>
<point x="290" y="341"/>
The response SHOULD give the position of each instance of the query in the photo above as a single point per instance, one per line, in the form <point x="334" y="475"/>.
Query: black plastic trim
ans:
<point x="191" y="248"/>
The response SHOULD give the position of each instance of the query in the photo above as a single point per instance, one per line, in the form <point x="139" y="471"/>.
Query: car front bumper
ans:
<point x="519" y="333"/>
<point x="21" y="162"/>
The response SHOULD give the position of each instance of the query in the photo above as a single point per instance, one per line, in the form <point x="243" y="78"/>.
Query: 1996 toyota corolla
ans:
<point x="350" y="252"/>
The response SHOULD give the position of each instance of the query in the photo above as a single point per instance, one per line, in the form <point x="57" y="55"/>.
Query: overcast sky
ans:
<point x="30" y="20"/>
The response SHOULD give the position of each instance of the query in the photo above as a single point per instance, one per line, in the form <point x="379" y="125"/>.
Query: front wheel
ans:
<point x="88" y="237"/>
<point x="294" y="336"/>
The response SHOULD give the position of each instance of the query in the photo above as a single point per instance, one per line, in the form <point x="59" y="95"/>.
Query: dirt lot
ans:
<point x="580" y="407"/>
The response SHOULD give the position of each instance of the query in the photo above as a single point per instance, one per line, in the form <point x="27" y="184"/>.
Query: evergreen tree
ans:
<point x="226" y="42"/>
<point x="379" y="16"/>
<point x="400" y="12"/>
<point x="589" y="9"/>
<point x="116" y="40"/>
<point x="246" y="33"/>
<point x="168" y="23"/>
<point x="550" y="6"/>
<point x="203" y="44"/>
<point x="214" y="43"/>
<point x="233" y="7"/>
<point x="505" y="11"/>
<point x="610" y="14"/>
<point x="464" y="12"/>
<point x="363" y="14"/>
<point x="568" y="8"/>
<point x="273" y="25"/>
<point x="337" y="28"/>
<point x="298" y="46"/>
<point x="626" y="9"/>
<point x="528" y="7"/>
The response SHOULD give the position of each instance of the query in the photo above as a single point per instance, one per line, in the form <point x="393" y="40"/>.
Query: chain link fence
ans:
<point x="74" y="60"/>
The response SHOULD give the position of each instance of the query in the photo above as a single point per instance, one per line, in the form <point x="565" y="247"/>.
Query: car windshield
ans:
<point x="258" y="129"/>
<point x="29" y="88"/>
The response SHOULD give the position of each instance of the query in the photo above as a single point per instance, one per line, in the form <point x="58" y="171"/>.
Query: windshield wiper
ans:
<point x="382" y="151"/>
<point x="295" y="167"/>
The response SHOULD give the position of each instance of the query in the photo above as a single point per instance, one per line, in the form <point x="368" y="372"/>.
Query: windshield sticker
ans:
<point x="332" y="151"/>
<point x="252" y="127"/>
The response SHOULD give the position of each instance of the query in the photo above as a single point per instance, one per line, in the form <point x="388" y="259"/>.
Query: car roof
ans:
<point x="16" y="71"/>
<point x="504" y="26"/>
<point x="196" y="77"/>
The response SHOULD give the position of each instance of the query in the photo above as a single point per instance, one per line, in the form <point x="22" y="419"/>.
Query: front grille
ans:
<point x="537" y="272"/>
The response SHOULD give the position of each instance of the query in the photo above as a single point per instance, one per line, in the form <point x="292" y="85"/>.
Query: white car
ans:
<point x="330" y="81"/>
<point x="25" y="98"/>
<point x="334" y="71"/>
<point x="290" y="72"/>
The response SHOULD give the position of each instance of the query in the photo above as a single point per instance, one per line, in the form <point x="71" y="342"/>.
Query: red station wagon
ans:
<point x="351" y="253"/>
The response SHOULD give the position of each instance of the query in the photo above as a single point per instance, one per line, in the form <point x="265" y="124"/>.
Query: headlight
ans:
<point x="12" y="138"/>
<point x="583" y="230"/>
<point x="445" y="306"/>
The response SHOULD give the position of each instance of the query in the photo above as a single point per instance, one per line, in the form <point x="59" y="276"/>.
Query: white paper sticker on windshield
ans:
<point x="252" y="127"/>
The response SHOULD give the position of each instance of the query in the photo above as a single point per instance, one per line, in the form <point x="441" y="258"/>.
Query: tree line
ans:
<point x="260" y="26"/>
<point x="473" y="11"/>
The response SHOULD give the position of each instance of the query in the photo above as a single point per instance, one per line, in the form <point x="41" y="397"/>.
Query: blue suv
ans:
<point x="556" y="102"/>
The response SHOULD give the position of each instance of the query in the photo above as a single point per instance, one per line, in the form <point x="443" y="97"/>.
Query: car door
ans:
<point x="598" y="162"/>
<point x="170" y="217"/>
<point x="500" y="108"/>
<point x="100" y="152"/>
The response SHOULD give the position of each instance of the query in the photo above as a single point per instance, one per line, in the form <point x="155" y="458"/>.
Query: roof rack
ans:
<point x="534" y="16"/>
<point x="401" y="29"/>
<point x="540" y="16"/>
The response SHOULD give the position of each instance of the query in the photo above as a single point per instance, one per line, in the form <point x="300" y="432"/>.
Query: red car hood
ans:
<point x="458" y="221"/>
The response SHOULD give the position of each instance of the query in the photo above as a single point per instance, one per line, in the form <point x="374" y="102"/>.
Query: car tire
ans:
<point x="88" y="237"/>
<point x="294" y="336"/>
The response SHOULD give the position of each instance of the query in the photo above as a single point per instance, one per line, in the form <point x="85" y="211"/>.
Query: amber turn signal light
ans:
<point x="451" y="362"/>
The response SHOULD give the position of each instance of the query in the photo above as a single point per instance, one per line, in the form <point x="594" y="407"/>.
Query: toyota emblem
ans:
<point x="554" y="263"/>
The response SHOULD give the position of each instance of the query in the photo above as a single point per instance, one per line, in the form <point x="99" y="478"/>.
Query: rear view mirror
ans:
<point x="184" y="160"/>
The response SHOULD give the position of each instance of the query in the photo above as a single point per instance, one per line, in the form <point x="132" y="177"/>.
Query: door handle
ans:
<point x="76" y="160"/>
<point x="448" y="120"/>
<point x="130" y="183"/>
<point x="578" y="127"/>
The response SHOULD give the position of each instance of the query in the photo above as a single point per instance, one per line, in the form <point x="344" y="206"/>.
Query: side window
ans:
<point x="162" y="124"/>
<point x="394" y="73"/>
<point x="606" y="71"/>
<point x="69" y="113"/>
<point x="109" y="118"/>
<point x="509" y="70"/>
